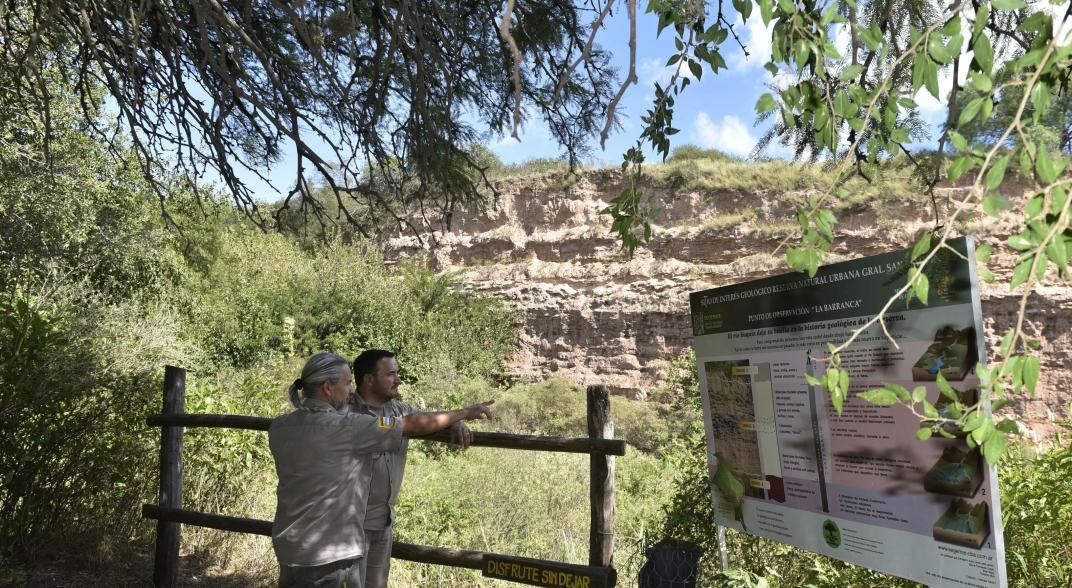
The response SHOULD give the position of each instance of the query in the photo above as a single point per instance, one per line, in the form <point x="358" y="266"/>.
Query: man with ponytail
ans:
<point x="324" y="459"/>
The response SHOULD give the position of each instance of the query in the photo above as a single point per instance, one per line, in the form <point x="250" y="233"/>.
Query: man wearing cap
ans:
<point x="324" y="458"/>
<point x="377" y="376"/>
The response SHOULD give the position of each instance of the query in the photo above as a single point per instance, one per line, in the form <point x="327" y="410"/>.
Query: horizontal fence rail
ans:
<point x="501" y="566"/>
<point x="480" y="439"/>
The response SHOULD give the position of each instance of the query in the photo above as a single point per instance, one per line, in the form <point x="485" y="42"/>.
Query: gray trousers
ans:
<point x="346" y="573"/>
<point x="377" y="560"/>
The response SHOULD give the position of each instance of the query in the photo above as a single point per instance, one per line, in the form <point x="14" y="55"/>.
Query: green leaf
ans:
<point x="1032" y="368"/>
<point x="851" y="72"/>
<point x="922" y="288"/>
<point x="1058" y="253"/>
<point x="994" y="447"/>
<point x="1035" y="206"/>
<point x="1025" y="162"/>
<point x="1040" y="99"/>
<point x="993" y="204"/>
<point x="1019" y="242"/>
<point x="881" y="397"/>
<point x="830" y="15"/>
<point x="960" y="166"/>
<point x="981" y="16"/>
<point x="929" y="411"/>
<point x="838" y="400"/>
<point x="996" y="173"/>
<point x="766" y="11"/>
<point x="930" y="77"/>
<point x="924" y="433"/>
<point x="900" y="391"/>
<point x="917" y="73"/>
<point x="981" y="81"/>
<point x="1008" y="4"/>
<point x="937" y="49"/>
<point x="694" y="67"/>
<point x="797" y="258"/>
<point x="969" y="112"/>
<point x="945" y="388"/>
<point x="983" y="432"/>
<point x="766" y="103"/>
<point x="744" y="7"/>
<point x="1020" y="274"/>
<point x="1006" y="343"/>
<point x="959" y="142"/>
<point x="919" y="393"/>
<point x="982" y="373"/>
<point x="984" y="53"/>
<point x="1044" y="166"/>
<point x="922" y="246"/>
<point x="1007" y="425"/>
<point x="1057" y="200"/>
<point x="974" y="421"/>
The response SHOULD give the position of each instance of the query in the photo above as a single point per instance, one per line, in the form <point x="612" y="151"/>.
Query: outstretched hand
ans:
<point x="478" y="411"/>
<point x="461" y="435"/>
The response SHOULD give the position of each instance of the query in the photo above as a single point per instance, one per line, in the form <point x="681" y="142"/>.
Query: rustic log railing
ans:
<point x="600" y="445"/>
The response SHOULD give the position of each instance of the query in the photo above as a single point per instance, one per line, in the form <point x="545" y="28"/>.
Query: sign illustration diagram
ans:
<point x="857" y="486"/>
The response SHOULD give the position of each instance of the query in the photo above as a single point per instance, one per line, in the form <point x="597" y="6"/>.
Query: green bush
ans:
<point x="556" y="406"/>
<point x="1036" y="512"/>
<point x="687" y="152"/>
<point x="76" y="383"/>
<point x="265" y="299"/>
<point x="524" y="503"/>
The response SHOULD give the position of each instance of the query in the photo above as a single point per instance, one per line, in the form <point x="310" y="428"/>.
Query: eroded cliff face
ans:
<point x="594" y="315"/>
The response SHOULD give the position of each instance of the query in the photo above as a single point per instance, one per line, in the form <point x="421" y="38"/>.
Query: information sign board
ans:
<point x="857" y="486"/>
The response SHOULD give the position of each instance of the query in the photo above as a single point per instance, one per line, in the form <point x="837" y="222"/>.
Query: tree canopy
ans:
<point x="379" y="100"/>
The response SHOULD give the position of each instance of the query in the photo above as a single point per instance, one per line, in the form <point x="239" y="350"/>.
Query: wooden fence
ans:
<point x="600" y="445"/>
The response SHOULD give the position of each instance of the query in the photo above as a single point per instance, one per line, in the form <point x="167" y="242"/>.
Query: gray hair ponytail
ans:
<point x="318" y="369"/>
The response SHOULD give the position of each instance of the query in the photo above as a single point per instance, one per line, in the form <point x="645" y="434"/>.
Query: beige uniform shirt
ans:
<point x="324" y="461"/>
<point x="387" y="469"/>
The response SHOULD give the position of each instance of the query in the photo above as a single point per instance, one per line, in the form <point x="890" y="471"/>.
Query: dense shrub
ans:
<point x="556" y="406"/>
<point x="265" y="299"/>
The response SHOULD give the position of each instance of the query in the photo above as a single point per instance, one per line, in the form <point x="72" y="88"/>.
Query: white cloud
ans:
<point x="756" y="38"/>
<point x="729" y="135"/>
<point x="652" y="71"/>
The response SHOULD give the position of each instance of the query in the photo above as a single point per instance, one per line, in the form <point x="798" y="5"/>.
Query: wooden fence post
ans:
<point x="166" y="562"/>
<point x="600" y="426"/>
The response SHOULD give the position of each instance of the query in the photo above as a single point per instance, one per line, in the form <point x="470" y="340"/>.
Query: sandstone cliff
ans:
<point x="592" y="314"/>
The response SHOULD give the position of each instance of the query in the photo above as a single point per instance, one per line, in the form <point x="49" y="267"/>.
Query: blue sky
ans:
<point x="714" y="112"/>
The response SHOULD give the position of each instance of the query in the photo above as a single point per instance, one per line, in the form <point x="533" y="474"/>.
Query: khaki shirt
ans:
<point x="324" y="461"/>
<point x="388" y="468"/>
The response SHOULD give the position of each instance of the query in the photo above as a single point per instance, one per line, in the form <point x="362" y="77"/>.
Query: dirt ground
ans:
<point x="69" y="570"/>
